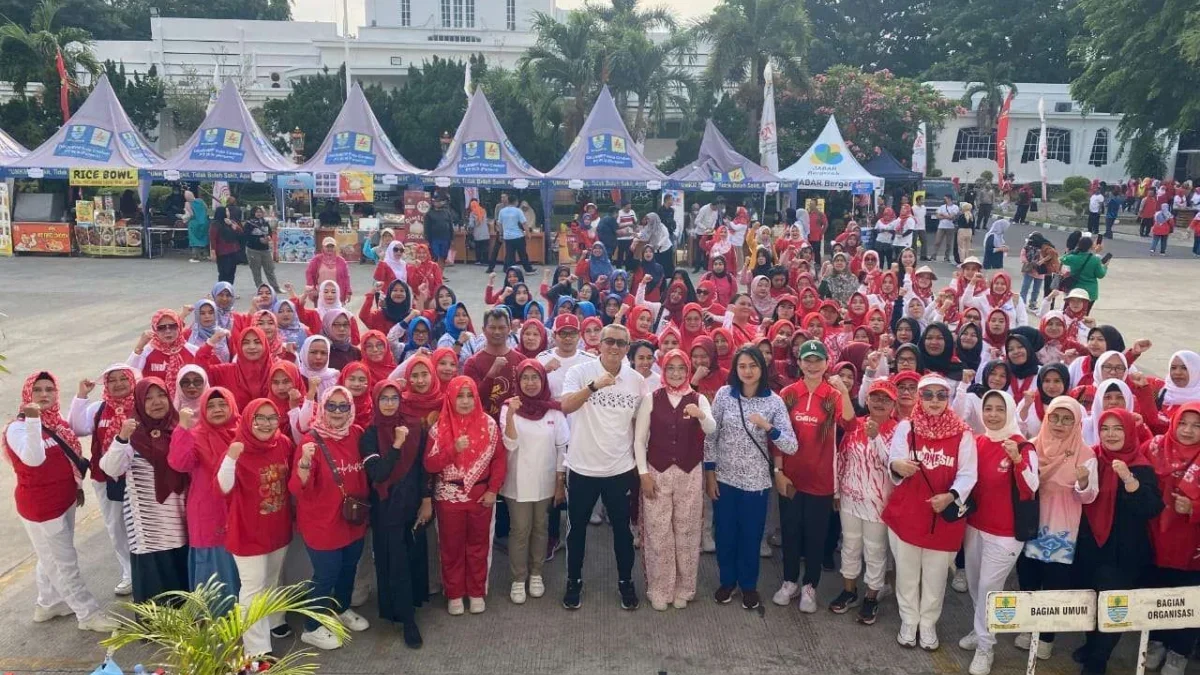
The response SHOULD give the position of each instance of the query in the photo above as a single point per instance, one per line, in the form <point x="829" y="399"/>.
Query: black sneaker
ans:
<point x="412" y="635"/>
<point x="629" y="596"/>
<point x="750" y="600"/>
<point x="573" y="598"/>
<point x="869" y="611"/>
<point x="280" y="632"/>
<point x="843" y="602"/>
<point x="723" y="595"/>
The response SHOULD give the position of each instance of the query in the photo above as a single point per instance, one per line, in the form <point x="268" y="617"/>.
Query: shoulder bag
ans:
<point x="354" y="511"/>
<point x="761" y="450"/>
<point x="1026" y="512"/>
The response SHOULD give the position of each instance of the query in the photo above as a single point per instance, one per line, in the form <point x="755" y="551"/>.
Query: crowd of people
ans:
<point x="922" y="427"/>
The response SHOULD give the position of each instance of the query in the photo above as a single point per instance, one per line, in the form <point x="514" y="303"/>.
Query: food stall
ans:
<point x="10" y="151"/>
<point x="97" y="147"/>
<point x="481" y="156"/>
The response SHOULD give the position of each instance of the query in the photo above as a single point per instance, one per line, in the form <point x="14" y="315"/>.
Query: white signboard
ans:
<point x="1037" y="611"/>
<point x="1149" y="609"/>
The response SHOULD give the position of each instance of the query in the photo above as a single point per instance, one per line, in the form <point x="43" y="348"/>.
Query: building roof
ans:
<point x="1026" y="100"/>
<point x="603" y="154"/>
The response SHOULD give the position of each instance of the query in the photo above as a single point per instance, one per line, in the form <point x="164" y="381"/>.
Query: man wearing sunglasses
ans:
<point x="602" y="398"/>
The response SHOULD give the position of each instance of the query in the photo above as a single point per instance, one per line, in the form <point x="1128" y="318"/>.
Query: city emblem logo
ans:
<point x="210" y="135"/>
<point x="342" y="139"/>
<point x="827" y="153"/>
<point x="471" y="148"/>
<point x="1005" y="609"/>
<point x="1118" y="608"/>
<point x="77" y="132"/>
<point x="598" y="142"/>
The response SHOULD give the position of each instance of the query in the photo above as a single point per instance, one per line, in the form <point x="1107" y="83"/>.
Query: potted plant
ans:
<point x="191" y="638"/>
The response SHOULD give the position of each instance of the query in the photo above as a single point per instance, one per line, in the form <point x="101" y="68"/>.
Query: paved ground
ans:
<point x="77" y="316"/>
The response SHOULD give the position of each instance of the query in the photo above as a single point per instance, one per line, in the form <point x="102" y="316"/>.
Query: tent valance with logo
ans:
<point x="357" y="142"/>
<point x="481" y="154"/>
<point x="719" y="167"/>
<point x="604" y="156"/>
<point x="829" y="165"/>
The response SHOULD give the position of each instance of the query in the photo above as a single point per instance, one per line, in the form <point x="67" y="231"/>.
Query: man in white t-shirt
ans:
<point x="946" y="214"/>
<point x="707" y="219"/>
<point x="1095" y="207"/>
<point x="602" y="397"/>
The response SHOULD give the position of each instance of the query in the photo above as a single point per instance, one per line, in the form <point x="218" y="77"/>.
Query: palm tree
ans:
<point x="744" y="35"/>
<point x="568" y="56"/>
<point x="654" y="72"/>
<point x="30" y="54"/>
<point x="994" y="83"/>
<point x="626" y="14"/>
<point x="191" y="638"/>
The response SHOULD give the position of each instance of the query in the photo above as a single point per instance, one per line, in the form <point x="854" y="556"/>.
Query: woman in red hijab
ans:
<point x="376" y="356"/>
<point x="692" y="325"/>
<point x="424" y="275"/>
<point x="464" y="454"/>
<point x="723" y="340"/>
<point x="47" y="460"/>
<point x="328" y="473"/>
<point x="253" y="476"/>
<point x="247" y="376"/>
<point x="356" y="377"/>
<point x="640" y="322"/>
<point x="401" y="504"/>
<point x="445" y="364"/>
<point x="707" y="373"/>
<point x="168" y="349"/>
<point x="532" y="340"/>
<point x="197" y="448"/>
<point x="282" y="380"/>
<point x="154" y="500"/>
<point x="269" y="324"/>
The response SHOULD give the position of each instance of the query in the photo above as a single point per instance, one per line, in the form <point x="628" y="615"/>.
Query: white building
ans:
<point x="1079" y="143"/>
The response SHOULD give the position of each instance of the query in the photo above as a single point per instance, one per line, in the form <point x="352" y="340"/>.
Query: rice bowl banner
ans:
<point x="115" y="177"/>
<point x="356" y="186"/>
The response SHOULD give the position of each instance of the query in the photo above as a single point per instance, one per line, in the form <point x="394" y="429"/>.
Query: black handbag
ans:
<point x="354" y="510"/>
<point x="1026" y="512"/>
<point x="957" y="510"/>
<point x="746" y="428"/>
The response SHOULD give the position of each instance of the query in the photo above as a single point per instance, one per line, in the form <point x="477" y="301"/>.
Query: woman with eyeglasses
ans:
<point x="1067" y="481"/>
<point x="163" y="350"/>
<point x="393" y="449"/>
<point x="154" y="501"/>
<point x="330" y="488"/>
<point x="253" y="475"/>
<point x="469" y="471"/>
<point x="739" y="471"/>
<point x="933" y="466"/>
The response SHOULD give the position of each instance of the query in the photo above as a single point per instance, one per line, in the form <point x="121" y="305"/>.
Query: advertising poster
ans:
<point x="356" y="186"/>
<point x="99" y="233"/>
<point x="41" y="238"/>
<point x="6" y="243"/>
<point x="607" y="150"/>
<point x="295" y="245"/>
<point x="416" y="205"/>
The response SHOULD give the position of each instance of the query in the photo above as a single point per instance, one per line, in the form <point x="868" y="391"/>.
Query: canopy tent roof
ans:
<point x="356" y="142"/>
<point x="98" y="135"/>
<point x="719" y="167"/>
<point x="227" y="146"/>
<point x="481" y="154"/>
<point x="887" y="167"/>
<point x="829" y="165"/>
<point x="603" y="154"/>
<point x="10" y="150"/>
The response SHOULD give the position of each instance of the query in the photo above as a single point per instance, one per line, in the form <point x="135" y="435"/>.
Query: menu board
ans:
<point x="99" y="233"/>
<point x="295" y="245"/>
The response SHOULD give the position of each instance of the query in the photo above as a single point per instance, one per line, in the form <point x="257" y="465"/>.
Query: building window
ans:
<point x="470" y="13"/>
<point x="1099" y="155"/>
<point x="1058" y="145"/>
<point x="458" y="13"/>
<point x="406" y="12"/>
<point x="453" y="38"/>
<point x="510" y="14"/>
<point x="445" y="13"/>
<point x="971" y="144"/>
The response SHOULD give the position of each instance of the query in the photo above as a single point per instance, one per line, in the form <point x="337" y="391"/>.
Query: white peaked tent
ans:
<point x="829" y="165"/>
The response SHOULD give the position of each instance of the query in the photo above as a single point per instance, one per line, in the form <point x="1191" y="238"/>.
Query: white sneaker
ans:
<point x="98" y="623"/>
<point x="707" y="543"/>
<point x="517" y="593"/>
<point x="1156" y="653"/>
<point x="124" y="588"/>
<point x="764" y="549"/>
<point x="982" y="663"/>
<point x="537" y="587"/>
<point x="1044" y="650"/>
<point x="320" y="638"/>
<point x="477" y="605"/>
<point x="360" y="595"/>
<point x="808" y="599"/>
<point x="455" y="607"/>
<point x="658" y="605"/>
<point x="193" y="260"/>
<point x="969" y="642"/>
<point x="44" y="614"/>
<point x="929" y="638"/>
<point x="959" y="582"/>
<point x="680" y="603"/>
<point x="786" y="593"/>
<point x="907" y="637"/>
<point x="354" y="621"/>
<point x="1176" y="664"/>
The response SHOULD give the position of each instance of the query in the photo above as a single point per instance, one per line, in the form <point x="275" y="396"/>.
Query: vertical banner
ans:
<point x="1002" y="135"/>
<point x="768" y="135"/>
<point x="1042" y="146"/>
<point x="918" y="151"/>
<point x="6" y="241"/>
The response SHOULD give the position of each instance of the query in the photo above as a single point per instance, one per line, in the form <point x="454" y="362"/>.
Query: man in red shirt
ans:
<point x="495" y="366"/>
<point x="807" y="480"/>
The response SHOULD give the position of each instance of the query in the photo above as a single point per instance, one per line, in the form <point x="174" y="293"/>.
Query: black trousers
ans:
<point x="1022" y="211"/>
<point x="1181" y="641"/>
<point x="667" y="260"/>
<point x="985" y="214"/>
<point x="1035" y="575"/>
<point x="1093" y="223"/>
<point x="803" y="524"/>
<point x="624" y="253"/>
<point x="514" y="248"/>
<point x="481" y="251"/>
<point x="1144" y="227"/>
<point x="699" y="255"/>
<point x="494" y="258"/>
<point x="614" y="492"/>
<point x="227" y="267"/>
<point x="816" y="249"/>
<point x="1099" y="646"/>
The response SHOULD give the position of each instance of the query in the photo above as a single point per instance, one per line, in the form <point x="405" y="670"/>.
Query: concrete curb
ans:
<point x="1116" y="235"/>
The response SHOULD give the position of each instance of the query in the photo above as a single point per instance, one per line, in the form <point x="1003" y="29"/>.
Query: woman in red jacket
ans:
<point x="258" y="523"/>
<point x="469" y="474"/>
<point x="1004" y="459"/>
<point x="328" y="473"/>
<point x="1175" y="533"/>
<point x="248" y="376"/>
<point x="933" y="463"/>
<point x="329" y="265"/>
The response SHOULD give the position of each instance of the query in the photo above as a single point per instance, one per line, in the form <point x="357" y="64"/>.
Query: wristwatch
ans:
<point x="592" y="386"/>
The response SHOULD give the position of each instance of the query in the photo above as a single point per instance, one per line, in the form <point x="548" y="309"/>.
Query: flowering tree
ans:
<point x="875" y="111"/>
